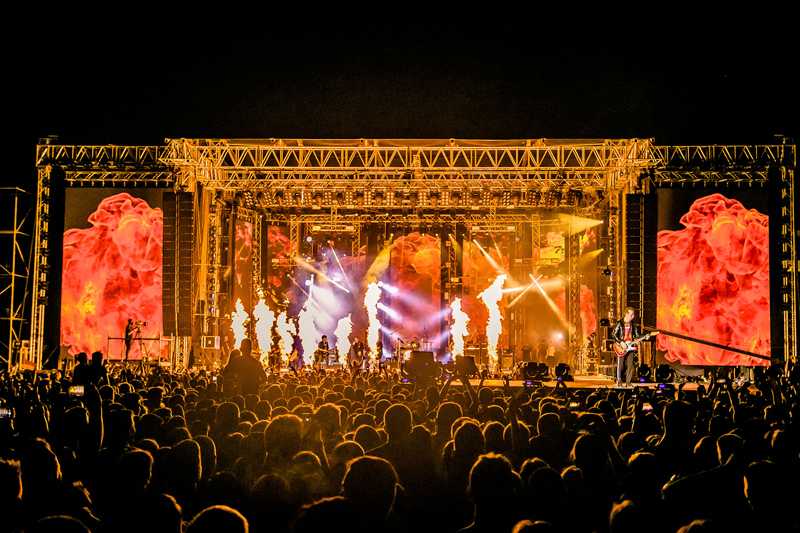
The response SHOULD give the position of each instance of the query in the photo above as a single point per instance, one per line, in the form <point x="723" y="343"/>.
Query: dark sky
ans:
<point x="508" y="75"/>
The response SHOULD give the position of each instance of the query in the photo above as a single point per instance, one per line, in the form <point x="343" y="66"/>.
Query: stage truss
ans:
<point x="450" y="182"/>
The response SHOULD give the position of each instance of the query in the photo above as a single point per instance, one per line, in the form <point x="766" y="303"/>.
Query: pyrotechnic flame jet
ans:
<point x="239" y="318"/>
<point x="491" y="296"/>
<point x="285" y="328"/>
<point x="458" y="329"/>
<point x="371" y="298"/>
<point x="307" y="328"/>
<point x="265" y="318"/>
<point x="343" y="330"/>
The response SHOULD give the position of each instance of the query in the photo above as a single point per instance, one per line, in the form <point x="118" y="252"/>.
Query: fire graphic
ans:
<point x="713" y="283"/>
<point x="265" y="318"/>
<point x="239" y="319"/>
<point x="343" y="330"/>
<point x="371" y="298"/>
<point x="285" y="328"/>
<point x="458" y="329"/>
<point x="112" y="272"/>
<point x="491" y="296"/>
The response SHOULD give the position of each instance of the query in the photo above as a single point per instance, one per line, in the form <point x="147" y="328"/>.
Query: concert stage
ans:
<point x="519" y="249"/>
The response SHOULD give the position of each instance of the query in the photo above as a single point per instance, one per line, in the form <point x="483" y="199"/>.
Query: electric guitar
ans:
<point x="321" y="355"/>
<point x="622" y="348"/>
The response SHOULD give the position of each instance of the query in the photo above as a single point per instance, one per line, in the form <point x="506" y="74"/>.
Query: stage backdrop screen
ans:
<point x="111" y="268"/>
<point x="713" y="275"/>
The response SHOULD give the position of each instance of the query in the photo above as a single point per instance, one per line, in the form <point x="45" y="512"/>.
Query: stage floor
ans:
<point x="581" y="382"/>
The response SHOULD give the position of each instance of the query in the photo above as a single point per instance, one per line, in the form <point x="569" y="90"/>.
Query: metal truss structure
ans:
<point x="14" y="274"/>
<point x="744" y="165"/>
<point x="336" y="183"/>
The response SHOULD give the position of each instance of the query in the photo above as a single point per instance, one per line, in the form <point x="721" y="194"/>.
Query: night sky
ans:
<point x="305" y="75"/>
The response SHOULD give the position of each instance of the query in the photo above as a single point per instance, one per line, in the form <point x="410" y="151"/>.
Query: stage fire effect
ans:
<point x="112" y="272"/>
<point x="494" y="327"/>
<point x="265" y="318"/>
<point x="285" y="332"/>
<point x="371" y="298"/>
<point x="713" y="283"/>
<point x="458" y="329"/>
<point x="239" y="319"/>
<point x="307" y="328"/>
<point x="342" y="334"/>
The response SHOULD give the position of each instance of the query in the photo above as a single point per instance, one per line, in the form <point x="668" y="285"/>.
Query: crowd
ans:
<point x="110" y="449"/>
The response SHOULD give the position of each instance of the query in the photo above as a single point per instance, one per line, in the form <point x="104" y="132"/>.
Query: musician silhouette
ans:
<point x="323" y="349"/>
<point x="626" y="330"/>
<point x="131" y="328"/>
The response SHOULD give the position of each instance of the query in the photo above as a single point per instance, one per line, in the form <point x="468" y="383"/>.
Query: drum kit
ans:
<point x="403" y="349"/>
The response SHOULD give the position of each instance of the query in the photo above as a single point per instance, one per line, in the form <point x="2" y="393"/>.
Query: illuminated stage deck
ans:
<point x="581" y="382"/>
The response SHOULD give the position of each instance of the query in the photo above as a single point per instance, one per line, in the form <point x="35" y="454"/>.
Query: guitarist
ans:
<point x="323" y="350"/>
<point x="626" y="330"/>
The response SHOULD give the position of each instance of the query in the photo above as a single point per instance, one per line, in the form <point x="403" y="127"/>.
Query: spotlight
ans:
<point x="606" y="271"/>
<point x="604" y="322"/>
<point x="665" y="374"/>
<point x="645" y="373"/>
<point x="543" y="370"/>
<point x="563" y="372"/>
<point x="530" y="374"/>
<point x="309" y="239"/>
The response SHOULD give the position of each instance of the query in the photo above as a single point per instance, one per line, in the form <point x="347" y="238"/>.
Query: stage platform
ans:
<point x="580" y="382"/>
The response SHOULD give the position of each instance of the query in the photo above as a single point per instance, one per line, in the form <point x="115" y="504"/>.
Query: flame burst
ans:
<point x="343" y="330"/>
<point x="309" y="335"/>
<point x="284" y="328"/>
<point x="458" y="329"/>
<point x="239" y="319"/>
<point x="265" y="318"/>
<point x="371" y="303"/>
<point x="490" y="297"/>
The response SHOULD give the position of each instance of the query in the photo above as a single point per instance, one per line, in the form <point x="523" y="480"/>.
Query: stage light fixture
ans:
<point x="563" y="372"/>
<point x="665" y="373"/>
<point x="645" y="373"/>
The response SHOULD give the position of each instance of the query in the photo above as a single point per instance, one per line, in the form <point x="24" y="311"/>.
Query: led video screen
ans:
<point x="111" y="270"/>
<point x="713" y="276"/>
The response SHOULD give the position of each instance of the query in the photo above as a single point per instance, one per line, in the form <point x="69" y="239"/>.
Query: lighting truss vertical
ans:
<point x="573" y="287"/>
<point x="614" y="254"/>
<point x="294" y="237"/>
<point x="41" y="270"/>
<point x="213" y="247"/>
<point x="788" y="250"/>
<point x="257" y="281"/>
<point x="17" y="272"/>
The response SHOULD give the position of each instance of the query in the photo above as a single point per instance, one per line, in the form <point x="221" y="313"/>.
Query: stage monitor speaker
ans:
<point x="465" y="364"/>
<point x="421" y="366"/>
